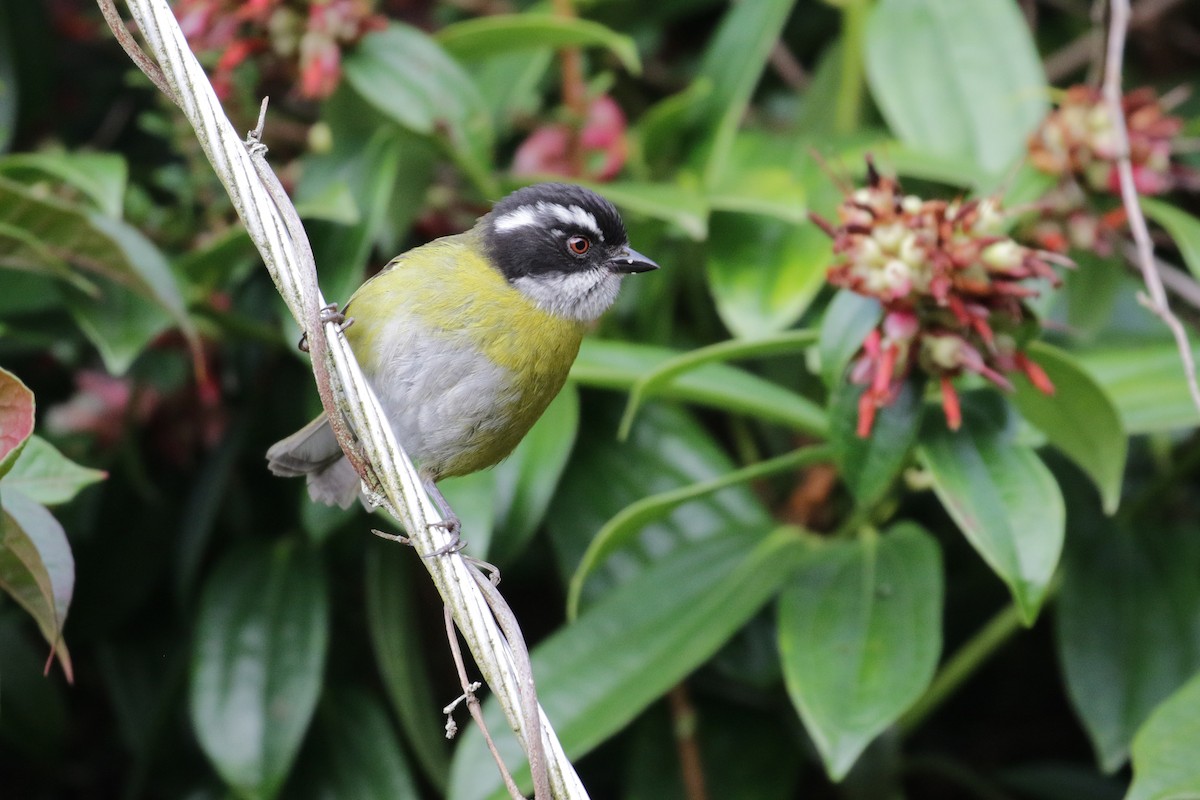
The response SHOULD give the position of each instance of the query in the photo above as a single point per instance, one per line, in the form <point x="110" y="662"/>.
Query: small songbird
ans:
<point x="467" y="339"/>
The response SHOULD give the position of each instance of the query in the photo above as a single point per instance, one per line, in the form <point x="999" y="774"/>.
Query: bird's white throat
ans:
<point x="580" y="296"/>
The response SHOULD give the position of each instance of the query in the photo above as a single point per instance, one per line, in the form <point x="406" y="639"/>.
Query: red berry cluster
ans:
<point x="301" y="38"/>
<point x="951" y="287"/>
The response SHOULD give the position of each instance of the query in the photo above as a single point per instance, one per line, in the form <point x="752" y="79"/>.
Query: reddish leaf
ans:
<point x="16" y="418"/>
<point x="37" y="568"/>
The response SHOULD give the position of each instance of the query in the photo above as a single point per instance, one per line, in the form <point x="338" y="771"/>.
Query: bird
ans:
<point x="466" y="339"/>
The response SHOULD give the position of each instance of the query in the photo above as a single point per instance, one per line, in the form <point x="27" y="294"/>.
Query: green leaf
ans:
<point x="8" y="82"/>
<point x="483" y="37"/>
<point x="37" y="568"/>
<point x="1183" y="228"/>
<point x="619" y="365"/>
<point x="100" y="176"/>
<point x="681" y="206"/>
<point x="1164" y="752"/>
<point x="869" y="466"/>
<point x="763" y="273"/>
<point x="622" y="528"/>
<point x="762" y="175"/>
<point x="1078" y="419"/>
<point x="1003" y="498"/>
<point x="956" y="79"/>
<point x="667" y="452"/>
<point x="394" y="627"/>
<point x="847" y="321"/>
<point x="118" y="322"/>
<point x="786" y="343"/>
<point x="354" y="753"/>
<point x="410" y="78"/>
<point x="668" y="620"/>
<point x="1146" y="383"/>
<point x="46" y="476"/>
<point x="16" y="418"/>
<point x="1092" y="292"/>
<point x="750" y="29"/>
<point x="259" y="653"/>
<point x="860" y="633"/>
<point x="1128" y="616"/>
<point x="526" y="480"/>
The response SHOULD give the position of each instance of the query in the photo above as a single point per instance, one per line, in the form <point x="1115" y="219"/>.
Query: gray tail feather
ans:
<point x="313" y="451"/>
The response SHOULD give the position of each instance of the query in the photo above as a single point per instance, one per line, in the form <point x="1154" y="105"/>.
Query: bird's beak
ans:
<point x="628" y="260"/>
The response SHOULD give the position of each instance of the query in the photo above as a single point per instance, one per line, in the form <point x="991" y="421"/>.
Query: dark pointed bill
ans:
<point x="629" y="260"/>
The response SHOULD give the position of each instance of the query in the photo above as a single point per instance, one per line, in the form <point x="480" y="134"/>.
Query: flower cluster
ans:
<point x="602" y="138"/>
<point x="1079" y="139"/>
<point x="951" y="286"/>
<point x="1077" y="143"/>
<point x="301" y="38"/>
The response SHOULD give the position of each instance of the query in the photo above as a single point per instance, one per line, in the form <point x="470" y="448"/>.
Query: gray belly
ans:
<point x="447" y="404"/>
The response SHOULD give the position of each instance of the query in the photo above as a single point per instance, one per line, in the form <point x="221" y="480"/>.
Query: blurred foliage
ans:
<point x="705" y="555"/>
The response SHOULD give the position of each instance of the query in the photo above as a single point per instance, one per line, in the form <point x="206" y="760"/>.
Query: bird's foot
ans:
<point x="454" y="528"/>
<point x="329" y="313"/>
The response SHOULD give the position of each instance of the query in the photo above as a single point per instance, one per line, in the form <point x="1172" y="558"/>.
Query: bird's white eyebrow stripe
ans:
<point x="541" y="212"/>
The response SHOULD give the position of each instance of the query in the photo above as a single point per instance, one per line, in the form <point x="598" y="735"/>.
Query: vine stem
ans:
<point x="362" y="427"/>
<point x="1155" y="297"/>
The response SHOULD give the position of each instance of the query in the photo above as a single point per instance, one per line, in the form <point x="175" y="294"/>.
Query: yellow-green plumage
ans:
<point x="460" y="300"/>
<point x="467" y="339"/>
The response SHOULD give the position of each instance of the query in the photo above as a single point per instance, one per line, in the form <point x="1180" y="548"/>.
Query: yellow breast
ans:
<point x="463" y="362"/>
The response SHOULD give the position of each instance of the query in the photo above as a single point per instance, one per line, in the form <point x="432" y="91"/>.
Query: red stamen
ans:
<point x="950" y="404"/>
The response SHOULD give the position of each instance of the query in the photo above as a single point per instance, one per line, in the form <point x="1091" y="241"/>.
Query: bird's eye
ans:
<point x="578" y="245"/>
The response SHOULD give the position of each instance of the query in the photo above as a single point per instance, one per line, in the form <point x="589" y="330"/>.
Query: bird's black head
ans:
<point x="564" y="246"/>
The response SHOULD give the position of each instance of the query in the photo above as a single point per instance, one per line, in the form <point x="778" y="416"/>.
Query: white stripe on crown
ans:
<point x="541" y="214"/>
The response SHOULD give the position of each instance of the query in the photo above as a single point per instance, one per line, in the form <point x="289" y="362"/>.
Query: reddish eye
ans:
<point x="578" y="245"/>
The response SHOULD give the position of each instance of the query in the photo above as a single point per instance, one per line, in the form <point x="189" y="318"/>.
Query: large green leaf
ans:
<point x="860" y="633"/>
<point x="870" y="465"/>
<point x="1146" y="383"/>
<point x="410" y="78"/>
<point x="394" y="628"/>
<point x="625" y="525"/>
<point x="848" y="319"/>
<point x="100" y="176"/>
<point x="526" y="480"/>
<point x="666" y="451"/>
<point x="666" y="621"/>
<point x="483" y="37"/>
<point x="37" y="568"/>
<point x="749" y="29"/>
<point x="1003" y="498"/>
<point x="619" y="365"/>
<point x="91" y="240"/>
<point x="1128" y="620"/>
<point x="120" y="323"/>
<point x="1078" y="419"/>
<point x="258" y="657"/>
<point x="46" y="476"/>
<point x="353" y="753"/>
<point x="1183" y="228"/>
<point x="763" y="272"/>
<point x="16" y="418"/>
<point x="955" y="78"/>
<point x="1164" y="752"/>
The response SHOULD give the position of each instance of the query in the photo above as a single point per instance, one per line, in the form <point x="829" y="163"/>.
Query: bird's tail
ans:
<point x="313" y="452"/>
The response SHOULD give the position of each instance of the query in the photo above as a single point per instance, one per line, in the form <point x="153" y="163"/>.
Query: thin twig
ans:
<point x="1177" y="283"/>
<point x="134" y="50"/>
<point x="574" y="93"/>
<point x="473" y="707"/>
<point x="788" y="67"/>
<point x="691" y="766"/>
<point x="1156" y="300"/>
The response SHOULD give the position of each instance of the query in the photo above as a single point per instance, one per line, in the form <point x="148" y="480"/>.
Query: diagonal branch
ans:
<point x="362" y="428"/>
<point x="1155" y="298"/>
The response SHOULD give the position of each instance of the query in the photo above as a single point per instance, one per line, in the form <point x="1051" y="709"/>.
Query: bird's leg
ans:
<point x="449" y="521"/>
<point x="329" y="313"/>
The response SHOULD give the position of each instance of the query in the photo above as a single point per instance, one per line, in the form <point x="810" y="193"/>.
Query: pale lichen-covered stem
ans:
<point x="345" y="391"/>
